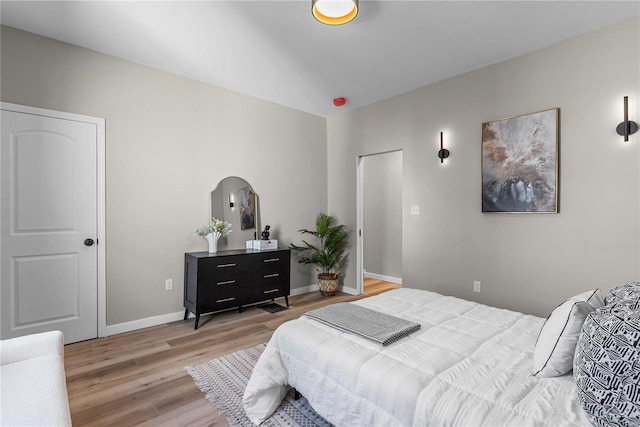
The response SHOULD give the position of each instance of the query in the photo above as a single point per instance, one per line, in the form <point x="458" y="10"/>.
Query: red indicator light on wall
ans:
<point x="339" y="102"/>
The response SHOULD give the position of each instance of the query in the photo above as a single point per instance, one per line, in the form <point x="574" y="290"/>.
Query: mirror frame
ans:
<point x="225" y="204"/>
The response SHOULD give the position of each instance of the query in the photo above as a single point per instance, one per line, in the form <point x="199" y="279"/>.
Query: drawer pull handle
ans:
<point x="225" y="300"/>
<point x="270" y="291"/>
<point x="228" y="282"/>
<point x="267" y="276"/>
<point x="271" y="260"/>
<point x="226" y="265"/>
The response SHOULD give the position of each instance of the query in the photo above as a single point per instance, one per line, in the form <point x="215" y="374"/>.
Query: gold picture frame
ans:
<point x="520" y="163"/>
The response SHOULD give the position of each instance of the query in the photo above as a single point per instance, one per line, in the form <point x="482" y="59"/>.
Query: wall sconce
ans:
<point x="627" y="127"/>
<point x="230" y="202"/>
<point x="443" y="153"/>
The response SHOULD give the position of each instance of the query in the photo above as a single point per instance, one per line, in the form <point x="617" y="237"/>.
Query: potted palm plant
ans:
<point x="326" y="254"/>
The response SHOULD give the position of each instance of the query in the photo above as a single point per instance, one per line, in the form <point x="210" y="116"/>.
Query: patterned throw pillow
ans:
<point x="607" y="365"/>
<point x="630" y="291"/>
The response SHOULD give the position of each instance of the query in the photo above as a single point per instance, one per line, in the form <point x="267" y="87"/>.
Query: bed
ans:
<point x="469" y="364"/>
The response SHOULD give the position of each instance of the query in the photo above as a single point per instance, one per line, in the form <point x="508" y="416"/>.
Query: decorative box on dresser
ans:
<point x="234" y="278"/>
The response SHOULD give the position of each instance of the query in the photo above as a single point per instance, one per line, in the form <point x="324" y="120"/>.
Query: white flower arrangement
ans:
<point x="215" y="226"/>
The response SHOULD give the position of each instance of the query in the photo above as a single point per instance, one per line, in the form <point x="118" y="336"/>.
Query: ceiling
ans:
<point x="276" y="51"/>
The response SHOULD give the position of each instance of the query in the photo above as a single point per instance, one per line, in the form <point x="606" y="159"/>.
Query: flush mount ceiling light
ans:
<point x="334" y="12"/>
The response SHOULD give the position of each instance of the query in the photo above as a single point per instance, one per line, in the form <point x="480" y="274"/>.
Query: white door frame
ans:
<point x="360" y="217"/>
<point x="359" y="224"/>
<point x="101" y="196"/>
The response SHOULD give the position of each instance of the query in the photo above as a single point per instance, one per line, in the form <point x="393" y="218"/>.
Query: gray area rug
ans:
<point x="224" y="380"/>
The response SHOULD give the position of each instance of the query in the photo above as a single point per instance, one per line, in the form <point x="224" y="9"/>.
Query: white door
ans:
<point x="49" y="232"/>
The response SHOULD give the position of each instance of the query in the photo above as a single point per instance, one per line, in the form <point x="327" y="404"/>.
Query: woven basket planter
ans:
<point x="328" y="283"/>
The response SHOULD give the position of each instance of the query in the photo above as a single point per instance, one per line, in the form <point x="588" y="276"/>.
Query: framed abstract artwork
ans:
<point x="520" y="161"/>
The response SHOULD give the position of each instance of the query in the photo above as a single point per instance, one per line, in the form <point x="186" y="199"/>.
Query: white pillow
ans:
<point x="592" y="297"/>
<point x="556" y="344"/>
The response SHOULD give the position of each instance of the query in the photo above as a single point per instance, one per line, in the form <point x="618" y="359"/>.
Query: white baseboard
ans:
<point x="172" y="317"/>
<point x="349" y="290"/>
<point x="148" y="322"/>
<point x="304" y="290"/>
<point x="314" y="288"/>
<point x="144" y="323"/>
<point x="389" y="279"/>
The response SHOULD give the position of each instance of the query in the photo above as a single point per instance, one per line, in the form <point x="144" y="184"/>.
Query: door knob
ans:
<point x="88" y="242"/>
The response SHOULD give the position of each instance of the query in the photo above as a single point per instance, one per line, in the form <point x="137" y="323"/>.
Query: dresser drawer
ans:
<point x="270" y="267"/>
<point x="269" y="278"/>
<point x="211" y="303"/>
<point x="269" y="290"/>
<point x="240" y="279"/>
<point x="224" y="269"/>
<point x="221" y="289"/>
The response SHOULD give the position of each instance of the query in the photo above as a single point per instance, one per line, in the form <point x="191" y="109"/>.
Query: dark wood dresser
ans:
<point x="235" y="278"/>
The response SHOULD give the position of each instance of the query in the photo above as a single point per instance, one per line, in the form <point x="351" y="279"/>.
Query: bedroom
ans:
<point x="593" y="242"/>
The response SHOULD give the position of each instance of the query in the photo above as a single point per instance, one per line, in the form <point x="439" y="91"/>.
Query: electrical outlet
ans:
<point x="477" y="286"/>
<point x="168" y="285"/>
<point x="415" y="210"/>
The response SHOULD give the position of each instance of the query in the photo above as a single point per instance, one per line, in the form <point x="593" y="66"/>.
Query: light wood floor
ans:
<point x="139" y="377"/>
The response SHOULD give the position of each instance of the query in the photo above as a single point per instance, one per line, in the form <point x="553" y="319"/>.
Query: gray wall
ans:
<point x="169" y="141"/>
<point x="526" y="262"/>
<point x="159" y="176"/>
<point x="382" y="214"/>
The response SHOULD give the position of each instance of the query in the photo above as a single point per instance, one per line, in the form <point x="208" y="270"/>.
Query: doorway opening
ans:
<point x="379" y="220"/>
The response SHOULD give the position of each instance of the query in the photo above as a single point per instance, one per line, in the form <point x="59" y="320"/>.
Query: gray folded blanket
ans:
<point x="364" y="322"/>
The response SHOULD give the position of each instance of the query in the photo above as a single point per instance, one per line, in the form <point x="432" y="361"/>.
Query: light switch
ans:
<point x="415" y="210"/>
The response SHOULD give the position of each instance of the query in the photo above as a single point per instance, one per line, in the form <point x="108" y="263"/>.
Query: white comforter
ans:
<point x="468" y="365"/>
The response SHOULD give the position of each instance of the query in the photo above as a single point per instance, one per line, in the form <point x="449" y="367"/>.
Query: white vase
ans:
<point x="212" y="238"/>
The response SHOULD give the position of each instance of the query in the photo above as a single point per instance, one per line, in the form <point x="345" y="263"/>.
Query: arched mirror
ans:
<point x="235" y="202"/>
